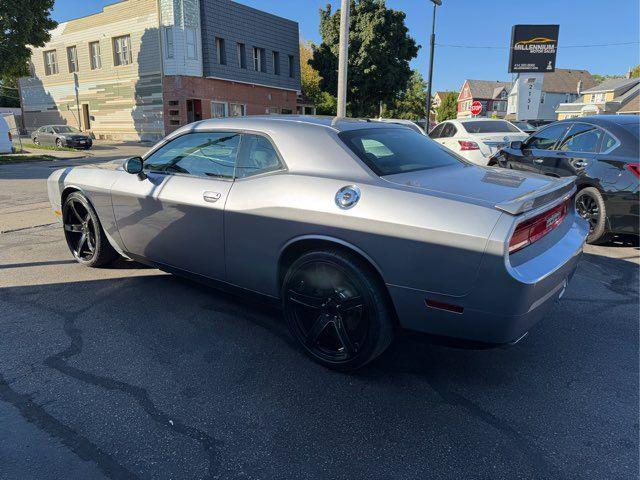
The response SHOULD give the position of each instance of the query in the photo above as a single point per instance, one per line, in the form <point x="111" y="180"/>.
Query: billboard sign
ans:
<point x="533" y="48"/>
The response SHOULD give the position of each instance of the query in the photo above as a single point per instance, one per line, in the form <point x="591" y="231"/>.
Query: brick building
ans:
<point x="139" y="69"/>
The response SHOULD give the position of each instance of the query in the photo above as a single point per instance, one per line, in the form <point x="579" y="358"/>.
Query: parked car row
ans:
<point x="601" y="152"/>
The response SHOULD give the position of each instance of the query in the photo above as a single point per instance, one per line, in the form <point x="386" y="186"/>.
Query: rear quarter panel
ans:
<point x="414" y="239"/>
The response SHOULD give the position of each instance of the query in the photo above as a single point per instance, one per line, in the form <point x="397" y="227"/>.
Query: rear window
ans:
<point x="497" y="126"/>
<point x="396" y="150"/>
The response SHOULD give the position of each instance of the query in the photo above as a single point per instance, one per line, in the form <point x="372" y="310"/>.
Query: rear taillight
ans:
<point x="535" y="228"/>
<point x="634" y="168"/>
<point x="465" y="145"/>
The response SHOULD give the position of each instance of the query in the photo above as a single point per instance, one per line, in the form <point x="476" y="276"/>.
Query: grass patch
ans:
<point x="47" y="147"/>
<point x="7" y="159"/>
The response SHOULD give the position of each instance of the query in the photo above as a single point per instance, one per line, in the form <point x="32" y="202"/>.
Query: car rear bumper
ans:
<point x="504" y="306"/>
<point x="79" y="143"/>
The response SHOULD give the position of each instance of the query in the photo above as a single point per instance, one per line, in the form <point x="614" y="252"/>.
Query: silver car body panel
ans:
<point x="439" y="234"/>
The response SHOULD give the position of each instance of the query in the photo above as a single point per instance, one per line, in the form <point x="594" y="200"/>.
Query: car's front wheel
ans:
<point x="83" y="232"/>
<point x="59" y="143"/>
<point x="590" y="206"/>
<point x="337" y="309"/>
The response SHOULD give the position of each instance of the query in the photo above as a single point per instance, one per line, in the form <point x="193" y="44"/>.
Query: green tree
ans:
<point x="380" y="49"/>
<point x="310" y="80"/>
<point x="635" y="72"/>
<point x="9" y="92"/>
<point x="448" y="109"/>
<point x="411" y="103"/>
<point x="22" y="23"/>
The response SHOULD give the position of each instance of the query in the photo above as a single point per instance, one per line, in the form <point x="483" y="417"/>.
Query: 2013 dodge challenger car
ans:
<point x="357" y="227"/>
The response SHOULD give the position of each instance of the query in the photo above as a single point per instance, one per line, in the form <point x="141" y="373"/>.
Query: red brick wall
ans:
<point x="256" y="98"/>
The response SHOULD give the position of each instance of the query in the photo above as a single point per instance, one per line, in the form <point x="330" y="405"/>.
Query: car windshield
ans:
<point x="396" y="150"/>
<point x="524" y="125"/>
<point x="65" y="129"/>
<point x="493" y="126"/>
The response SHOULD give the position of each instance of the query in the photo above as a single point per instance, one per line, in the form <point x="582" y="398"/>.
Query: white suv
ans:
<point x="476" y="139"/>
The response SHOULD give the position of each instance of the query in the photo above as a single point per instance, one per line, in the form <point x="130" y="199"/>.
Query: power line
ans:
<point x="492" y="47"/>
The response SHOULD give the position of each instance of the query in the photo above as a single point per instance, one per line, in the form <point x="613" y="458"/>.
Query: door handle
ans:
<point x="211" y="197"/>
<point x="539" y="160"/>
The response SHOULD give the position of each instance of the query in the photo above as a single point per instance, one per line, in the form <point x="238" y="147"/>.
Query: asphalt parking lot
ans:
<point x="127" y="372"/>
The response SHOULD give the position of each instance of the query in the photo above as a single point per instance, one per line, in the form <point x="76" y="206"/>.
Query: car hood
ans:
<point x="507" y="190"/>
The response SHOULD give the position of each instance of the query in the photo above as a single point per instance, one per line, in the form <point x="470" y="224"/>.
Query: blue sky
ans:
<point x="479" y="23"/>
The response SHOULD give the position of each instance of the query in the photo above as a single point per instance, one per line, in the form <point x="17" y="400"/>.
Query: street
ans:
<point x="127" y="372"/>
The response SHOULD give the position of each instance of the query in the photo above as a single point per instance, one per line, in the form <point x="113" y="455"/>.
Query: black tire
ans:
<point x="83" y="232"/>
<point x="590" y="206"/>
<point x="59" y="143"/>
<point x="35" y="141"/>
<point x="337" y="309"/>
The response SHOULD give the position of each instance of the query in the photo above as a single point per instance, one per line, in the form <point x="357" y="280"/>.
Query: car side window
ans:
<point x="546" y="138"/>
<point x="581" y="137"/>
<point x="449" y="130"/>
<point x="437" y="131"/>
<point x="209" y="154"/>
<point x="257" y="156"/>
<point x="608" y="142"/>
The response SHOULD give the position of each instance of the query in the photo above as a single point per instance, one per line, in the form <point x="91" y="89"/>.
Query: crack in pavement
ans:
<point x="36" y="415"/>
<point x="58" y="361"/>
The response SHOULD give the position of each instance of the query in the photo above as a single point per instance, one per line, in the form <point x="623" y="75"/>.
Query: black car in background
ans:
<point x="61" y="136"/>
<point x="603" y="153"/>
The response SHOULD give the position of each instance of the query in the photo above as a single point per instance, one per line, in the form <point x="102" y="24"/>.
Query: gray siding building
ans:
<point x="243" y="44"/>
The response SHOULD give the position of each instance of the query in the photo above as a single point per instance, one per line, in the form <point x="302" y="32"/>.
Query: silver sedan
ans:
<point x="356" y="227"/>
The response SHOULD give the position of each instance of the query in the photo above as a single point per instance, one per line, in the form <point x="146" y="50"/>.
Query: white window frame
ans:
<point x="72" y="58"/>
<point x="272" y="111"/>
<point x="220" y="51"/>
<point x="243" y="109"/>
<point x="225" y="106"/>
<point x="191" y="43"/>
<point x="168" y="42"/>
<point x="50" y="62"/>
<point x="257" y="59"/>
<point x="95" y="56"/>
<point x="121" y="50"/>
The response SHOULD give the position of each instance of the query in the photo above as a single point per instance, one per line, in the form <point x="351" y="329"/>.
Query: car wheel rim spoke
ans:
<point x="310" y="301"/>
<point x="81" y="242"/>
<point x="343" y="337"/>
<point x="74" y="228"/>
<point x="316" y="330"/>
<point x="80" y="230"/>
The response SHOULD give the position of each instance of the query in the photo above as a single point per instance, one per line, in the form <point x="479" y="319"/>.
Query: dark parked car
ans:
<point x="603" y="153"/>
<point x="61" y="136"/>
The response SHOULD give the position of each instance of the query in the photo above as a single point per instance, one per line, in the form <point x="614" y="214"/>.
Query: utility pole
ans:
<point x="343" y="59"/>
<point x="436" y="3"/>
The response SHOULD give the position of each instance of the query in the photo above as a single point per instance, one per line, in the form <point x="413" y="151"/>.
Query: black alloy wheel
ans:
<point x="59" y="143"/>
<point x="336" y="310"/>
<point x="83" y="232"/>
<point x="590" y="206"/>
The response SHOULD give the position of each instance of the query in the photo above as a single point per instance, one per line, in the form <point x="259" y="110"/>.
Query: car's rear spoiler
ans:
<point x="561" y="188"/>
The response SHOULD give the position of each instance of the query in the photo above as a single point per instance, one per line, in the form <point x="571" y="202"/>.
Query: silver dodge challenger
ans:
<point x="358" y="228"/>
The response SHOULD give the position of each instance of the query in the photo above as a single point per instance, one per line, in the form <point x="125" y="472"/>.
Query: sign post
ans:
<point x="533" y="48"/>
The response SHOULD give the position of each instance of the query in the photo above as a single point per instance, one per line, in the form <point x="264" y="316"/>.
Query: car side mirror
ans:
<point x="516" y="145"/>
<point x="134" y="166"/>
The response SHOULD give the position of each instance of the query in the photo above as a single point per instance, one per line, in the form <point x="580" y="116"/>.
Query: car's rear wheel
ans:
<point x="83" y="232"/>
<point x="59" y="143"/>
<point x="590" y="206"/>
<point x="35" y="141"/>
<point x="337" y="309"/>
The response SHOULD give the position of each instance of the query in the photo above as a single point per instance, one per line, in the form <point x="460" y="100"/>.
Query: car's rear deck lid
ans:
<point x="561" y="188"/>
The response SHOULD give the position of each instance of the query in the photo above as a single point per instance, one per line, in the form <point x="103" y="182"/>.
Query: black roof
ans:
<point x="606" y="120"/>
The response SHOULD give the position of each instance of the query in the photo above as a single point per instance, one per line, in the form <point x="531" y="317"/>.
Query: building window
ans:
<point x="287" y="111"/>
<point x="237" y="110"/>
<point x="50" y="62"/>
<point x="218" y="109"/>
<point x="597" y="98"/>
<point x="258" y="60"/>
<point x="168" y="42"/>
<point x="220" y="51"/>
<point x="191" y="43"/>
<point x="242" y="55"/>
<point x="72" y="59"/>
<point x="174" y="103"/>
<point x="122" y="50"/>
<point x="292" y="70"/>
<point x="272" y="111"/>
<point x="276" y="63"/>
<point x="174" y="113"/>
<point x="94" y="55"/>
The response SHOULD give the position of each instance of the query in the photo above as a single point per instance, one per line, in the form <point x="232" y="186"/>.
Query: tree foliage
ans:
<point x="325" y="103"/>
<point x="448" y="108"/>
<point x="22" y="23"/>
<point x="635" y="72"/>
<point x="9" y="92"/>
<point x="380" y="49"/>
<point x="411" y="103"/>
